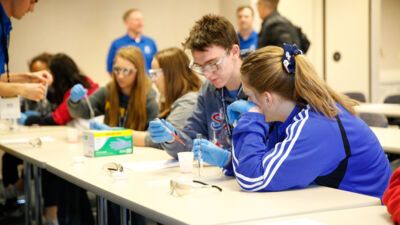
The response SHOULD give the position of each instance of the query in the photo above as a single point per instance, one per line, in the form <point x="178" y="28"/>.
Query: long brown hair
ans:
<point x="263" y="71"/>
<point x="178" y="78"/>
<point x="65" y="74"/>
<point x="137" y="113"/>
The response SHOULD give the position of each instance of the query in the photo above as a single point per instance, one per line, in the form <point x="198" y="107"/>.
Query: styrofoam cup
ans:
<point x="186" y="161"/>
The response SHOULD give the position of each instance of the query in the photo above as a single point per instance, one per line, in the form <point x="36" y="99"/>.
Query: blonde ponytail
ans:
<point x="263" y="71"/>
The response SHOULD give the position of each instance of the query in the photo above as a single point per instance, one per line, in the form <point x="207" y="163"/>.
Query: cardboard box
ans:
<point x="97" y="143"/>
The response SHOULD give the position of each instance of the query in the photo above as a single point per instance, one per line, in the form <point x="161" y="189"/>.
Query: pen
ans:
<point x="172" y="133"/>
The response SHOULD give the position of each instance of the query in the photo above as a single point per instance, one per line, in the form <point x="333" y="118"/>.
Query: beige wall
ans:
<point x="85" y="29"/>
<point x="387" y="74"/>
<point x="390" y="33"/>
<point x="347" y="32"/>
<point x="306" y="14"/>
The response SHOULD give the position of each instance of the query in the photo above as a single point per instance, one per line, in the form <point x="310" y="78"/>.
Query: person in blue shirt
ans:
<point x="29" y="85"/>
<point x="248" y="38"/>
<point x="296" y="131"/>
<point x="214" y="46"/>
<point x="133" y="20"/>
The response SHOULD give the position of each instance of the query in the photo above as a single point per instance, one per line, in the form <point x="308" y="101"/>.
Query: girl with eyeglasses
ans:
<point x="127" y="101"/>
<point x="296" y="131"/>
<point x="178" y="86"/>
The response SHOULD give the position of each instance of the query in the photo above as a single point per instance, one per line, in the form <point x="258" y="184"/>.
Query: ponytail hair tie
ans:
<point x="288" y="62"/>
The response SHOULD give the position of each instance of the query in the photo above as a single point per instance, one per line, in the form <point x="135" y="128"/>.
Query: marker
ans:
<point x="172" y="133"/>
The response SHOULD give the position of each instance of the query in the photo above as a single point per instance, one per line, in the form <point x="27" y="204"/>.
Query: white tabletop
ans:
<point x="372" y="215"/>
<point x="390" y="110"/>
<point x="389" y="138"/>
<point x="147" y="192"/>
<point x="16" y="142"/>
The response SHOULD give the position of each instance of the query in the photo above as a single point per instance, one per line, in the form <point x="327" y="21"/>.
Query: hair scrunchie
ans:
<point x="288" y="62"/>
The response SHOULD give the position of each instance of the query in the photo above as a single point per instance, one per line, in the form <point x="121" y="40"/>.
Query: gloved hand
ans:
<point x="158" y="132"/>
<point x="238" y="107"/>
<point x="77" y="92"/>
<point x="93" y="125"/>
<point x="27" y="114"/>
<point x="210" y="153"/>
<point x="22" y="119"/>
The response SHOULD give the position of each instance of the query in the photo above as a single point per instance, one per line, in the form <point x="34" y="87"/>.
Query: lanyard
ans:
<point x="122" y="121"/>
<point x="228" y="126"/>
<point x="4" y="45"/>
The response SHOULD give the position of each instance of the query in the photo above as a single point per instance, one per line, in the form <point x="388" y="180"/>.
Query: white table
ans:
<point x="147" y="193"/>
<point x="31" y="157"/>
<point x="389" y="110"/>
<point x="372" y="215"/>
<point x="389" y="138"/>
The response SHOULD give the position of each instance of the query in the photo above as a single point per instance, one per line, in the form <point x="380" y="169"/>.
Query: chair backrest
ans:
<point x="392" y="99"/>
<point x="356" y="96"/>
<point x="374" y="119"/>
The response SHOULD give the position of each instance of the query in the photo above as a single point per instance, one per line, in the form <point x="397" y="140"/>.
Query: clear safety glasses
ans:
<point x="154" y="73"/>
<point x="125" y="71"/>
<point x="183" y="188"/>
<point x="209" y="68"/>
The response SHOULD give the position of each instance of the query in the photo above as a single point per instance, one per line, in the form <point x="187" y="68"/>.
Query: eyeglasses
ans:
<point x="154" y="73"/>
<point x="181" y="189"/>
<point x="125" y="71"/>
<point x="201" y="70"/>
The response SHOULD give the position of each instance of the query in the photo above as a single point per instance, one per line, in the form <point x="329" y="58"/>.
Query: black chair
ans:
<point x="392" y="99"/>
<point x="356" y="96"/>
<point x="374" y="119"/>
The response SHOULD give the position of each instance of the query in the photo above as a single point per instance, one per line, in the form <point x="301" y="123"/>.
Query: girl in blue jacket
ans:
<point x="296" y="131"/>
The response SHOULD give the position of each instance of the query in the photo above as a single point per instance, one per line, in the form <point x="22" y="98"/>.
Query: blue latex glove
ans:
<point x="77" y="92"/>
<point x="210" y="153"/>
<point x="158" y="132"/>
<point x="22" y="119"/>
<point x="238" y="107"/>
<point x="29" y="113"/>
<point x="93" y="125"/>
<point x="25" y="116"/>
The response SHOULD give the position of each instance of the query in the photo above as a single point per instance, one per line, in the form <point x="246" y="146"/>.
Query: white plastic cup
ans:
<point x="186" y="162"/>
<point x="72" y="135"/>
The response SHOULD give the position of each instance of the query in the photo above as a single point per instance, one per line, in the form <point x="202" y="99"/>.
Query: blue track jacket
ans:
<point x="306" y="146"/>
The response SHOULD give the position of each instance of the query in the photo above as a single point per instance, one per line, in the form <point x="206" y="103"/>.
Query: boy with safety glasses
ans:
<point x="216" y="55"/>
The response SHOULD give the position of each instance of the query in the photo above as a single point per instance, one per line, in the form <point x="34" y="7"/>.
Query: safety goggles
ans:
<point x="154" y="73"/>
<point x="181" y="188"/>
<point x="125" y="71"/>
<point x="209" y="68"/>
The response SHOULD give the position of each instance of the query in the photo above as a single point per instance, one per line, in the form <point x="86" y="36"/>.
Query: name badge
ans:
<point x="10" y="107"/>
